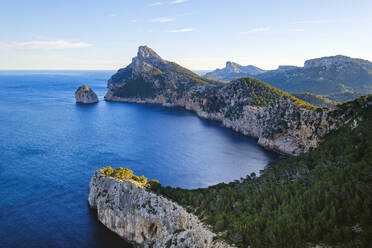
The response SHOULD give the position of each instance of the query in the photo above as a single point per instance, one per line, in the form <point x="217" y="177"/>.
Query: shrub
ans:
<point x="124" y="174"/>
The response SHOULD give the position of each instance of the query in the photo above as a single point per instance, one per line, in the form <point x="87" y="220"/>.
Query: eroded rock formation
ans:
<point x="85" y="95"/>
<point x="144" y="218"/>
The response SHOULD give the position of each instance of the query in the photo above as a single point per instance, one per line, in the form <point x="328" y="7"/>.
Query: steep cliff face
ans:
<point x="280" y="121"/>
<point x="146" y="219"/>
<point x="85" y="95"/>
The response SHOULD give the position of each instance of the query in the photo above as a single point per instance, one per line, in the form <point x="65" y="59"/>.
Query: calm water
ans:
<point x="50" y="147"/>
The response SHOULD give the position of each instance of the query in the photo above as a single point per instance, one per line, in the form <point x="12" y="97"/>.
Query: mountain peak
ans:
<point x="232" y="67"/>
<point x="327" y="61"/>
<point x="146" y="52"/>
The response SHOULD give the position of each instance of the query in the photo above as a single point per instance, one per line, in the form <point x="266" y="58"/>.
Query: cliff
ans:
<point x="144" y="218"/>
<point x="85" y="95"/>
<point x="301" y="201"/>
<point x="278" y="120"/>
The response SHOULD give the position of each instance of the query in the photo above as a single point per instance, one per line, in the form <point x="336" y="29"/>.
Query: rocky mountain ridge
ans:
<point x="279" y="121"/>
<point x="327" y="76"/>
<point x="233" y="70"/>
<point x="144" y="218"/>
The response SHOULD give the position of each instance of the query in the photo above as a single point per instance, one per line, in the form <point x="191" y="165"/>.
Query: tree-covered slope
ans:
<point x="316" y="100"/>
<point x="320" y="197"/>
<point x="247" y="92"/>
<point x="324" y="76"/>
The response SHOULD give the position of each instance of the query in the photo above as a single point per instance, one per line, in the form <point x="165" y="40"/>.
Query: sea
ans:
<point x="50" y="148"/>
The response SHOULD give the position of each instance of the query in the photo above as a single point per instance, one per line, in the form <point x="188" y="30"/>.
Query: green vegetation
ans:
<point x="136" y="87"/>
<point x="316" y="100"/>
<point x="199" y="80"/>
<point x="124" y="174"/>
<point x="171" y="66"/>
<point x="86" y="87"/>
<point x="262" y="94"/>
<point x="155" y="71"/>
<point x="345" y="96"/>
<point x="355" y="76"/>
<point x="320" y="197"/>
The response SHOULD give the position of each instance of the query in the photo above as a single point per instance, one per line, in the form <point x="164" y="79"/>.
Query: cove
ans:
<point x="50" y="148"/>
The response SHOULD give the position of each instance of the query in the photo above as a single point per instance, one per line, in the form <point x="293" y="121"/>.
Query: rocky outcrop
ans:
<point x="144" y="218"/>
<point x="233" y="71"/>
<point x="85" y="95"/>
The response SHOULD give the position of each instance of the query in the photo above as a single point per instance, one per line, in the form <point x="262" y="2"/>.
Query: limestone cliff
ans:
<point x="85" y="95"/>
<point x="144" y="218"/>
<point x="280" y="121"/>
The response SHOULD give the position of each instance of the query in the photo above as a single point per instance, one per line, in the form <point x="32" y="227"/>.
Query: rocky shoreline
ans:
<point x="145" y="219"/>
<point x="280" y="121"/>
<point x="259" y="123"/>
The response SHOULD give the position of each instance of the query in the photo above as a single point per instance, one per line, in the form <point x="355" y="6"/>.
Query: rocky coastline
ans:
<point x="278" y="121"/>
<point x="281" y="127"/>
<point x="145" y="219"/>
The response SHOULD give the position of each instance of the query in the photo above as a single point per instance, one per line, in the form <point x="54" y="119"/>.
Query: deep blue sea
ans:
<point x="50" y="148"/>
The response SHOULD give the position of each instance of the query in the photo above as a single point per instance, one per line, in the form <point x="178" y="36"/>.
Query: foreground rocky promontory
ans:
<point x="85" y="95"/>
<point x="279" y="121"/>
<point x="144" y="218"/>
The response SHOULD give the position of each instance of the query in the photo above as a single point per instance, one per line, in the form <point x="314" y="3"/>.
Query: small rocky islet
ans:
<point x="164" y="216"/>
<point x="85" y="95"/>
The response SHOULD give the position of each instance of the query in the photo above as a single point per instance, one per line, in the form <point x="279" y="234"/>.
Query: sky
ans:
<point x="197" y="34"/>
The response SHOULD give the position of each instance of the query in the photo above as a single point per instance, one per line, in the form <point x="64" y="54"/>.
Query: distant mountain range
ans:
<point x="339" y="78"/>
<point x="233" y="71"/>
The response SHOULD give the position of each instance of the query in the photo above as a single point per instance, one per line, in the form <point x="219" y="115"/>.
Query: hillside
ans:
<point x="322" y="197"/>
<point x="279" y="121"/>
<point x="328" y="76"/>
<point x="316" y="100"/>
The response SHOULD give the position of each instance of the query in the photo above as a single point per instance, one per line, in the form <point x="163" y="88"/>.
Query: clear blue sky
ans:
<point x="198" y="34"/>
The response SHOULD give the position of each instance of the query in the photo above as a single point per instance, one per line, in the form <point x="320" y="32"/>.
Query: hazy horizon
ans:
<point x="199" y="35"/>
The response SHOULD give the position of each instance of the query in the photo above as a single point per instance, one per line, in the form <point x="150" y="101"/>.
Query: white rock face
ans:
<point x="281" y="126"/>
<point x="85" y="95"/>
<point x="144" y="218"/>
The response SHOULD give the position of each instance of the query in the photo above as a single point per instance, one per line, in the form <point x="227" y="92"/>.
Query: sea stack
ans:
<point x="85" y="95"/>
